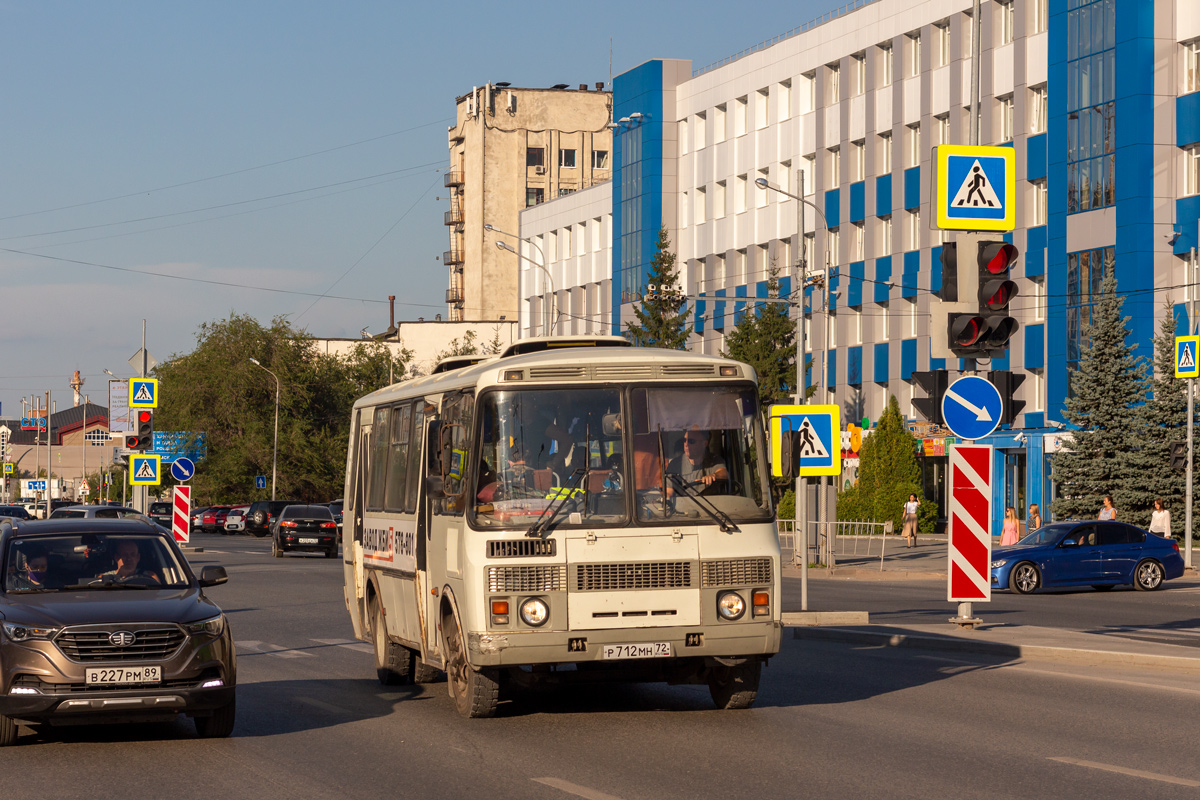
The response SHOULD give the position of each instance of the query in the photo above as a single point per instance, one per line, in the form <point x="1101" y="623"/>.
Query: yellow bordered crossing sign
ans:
<point x="145" y="469"/>
<point x="975" y="188"/>
<point x="1187" y="365"/>
<point x="143" y="393"/>
<point x="818" y="438"/>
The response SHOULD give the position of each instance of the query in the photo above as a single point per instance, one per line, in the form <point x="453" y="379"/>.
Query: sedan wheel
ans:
<point x="1025" y="578"/>
<point x="1148" y="576"/>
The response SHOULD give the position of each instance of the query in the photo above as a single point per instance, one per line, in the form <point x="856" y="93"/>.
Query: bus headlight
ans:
<point x="534" y="612"/>
<point x="730" y="605"/>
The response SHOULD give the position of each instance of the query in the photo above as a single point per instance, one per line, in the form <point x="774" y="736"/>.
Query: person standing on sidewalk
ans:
<point x="1008" y="535"/>
<point x="1107" y="511"/>
<point x="1160" y="519"/>
<point x="910" y="519"/>
<point x="1034" y="521"/>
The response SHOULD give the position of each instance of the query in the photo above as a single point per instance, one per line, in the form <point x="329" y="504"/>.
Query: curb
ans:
<point x="814" y="618"/>
<point x="884" y="638"/>
<point x="859" y="573"/>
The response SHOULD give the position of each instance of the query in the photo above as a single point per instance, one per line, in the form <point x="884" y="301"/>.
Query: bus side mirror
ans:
<point x="789" y="455"/>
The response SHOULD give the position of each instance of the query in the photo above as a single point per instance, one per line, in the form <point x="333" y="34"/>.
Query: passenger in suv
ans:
<point x="262" y="513"/>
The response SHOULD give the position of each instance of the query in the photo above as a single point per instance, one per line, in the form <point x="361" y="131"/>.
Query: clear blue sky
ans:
<point x="287" y="145"/>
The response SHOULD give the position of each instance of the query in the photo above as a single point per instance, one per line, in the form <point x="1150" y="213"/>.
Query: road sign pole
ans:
<point x="801" y="504"/>
<point x="1191" y="452"/>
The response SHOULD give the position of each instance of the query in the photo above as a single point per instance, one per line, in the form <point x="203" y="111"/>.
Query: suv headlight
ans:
<point x="999" y="564"/>
<point x="25" y="633"/>
<point x="207" y="627"/>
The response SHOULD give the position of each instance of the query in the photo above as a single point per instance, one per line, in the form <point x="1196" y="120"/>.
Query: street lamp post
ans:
<point x="801" y="355"/>
<point x="275" y="450"/>
<point x="550" y="319"/>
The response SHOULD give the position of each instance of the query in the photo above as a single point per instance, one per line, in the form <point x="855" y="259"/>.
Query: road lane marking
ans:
<point x="263" y="648"/>
<point x="1136" y="773"/>
<point x="574" y="788"/>
<point x="349" y="644"/>
<point x="953" y="661"/>
<point x="1134" y="684"/>
<point x="312" y="701"/>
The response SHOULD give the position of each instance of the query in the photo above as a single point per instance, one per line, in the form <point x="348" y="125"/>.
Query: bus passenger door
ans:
<point x="352" y="510"/>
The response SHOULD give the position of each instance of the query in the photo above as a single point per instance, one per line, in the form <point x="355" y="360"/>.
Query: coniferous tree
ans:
<point x="661" y="318"/>
<point x="1165" y="417"/>
<point x="1108" y="388"/>
<point x="765" y="338"/>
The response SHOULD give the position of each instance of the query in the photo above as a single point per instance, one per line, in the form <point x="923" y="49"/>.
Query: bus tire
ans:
<point x="424" y="673"/>
<point x="393" y="662"/>
<point x="475" y="693"/>
<point x="735" y="687"/>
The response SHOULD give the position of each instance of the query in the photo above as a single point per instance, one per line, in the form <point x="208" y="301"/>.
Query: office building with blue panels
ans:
<point x="1100" y="100"/>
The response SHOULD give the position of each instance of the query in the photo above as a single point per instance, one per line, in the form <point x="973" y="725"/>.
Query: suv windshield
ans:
<point x="91" y="561"/>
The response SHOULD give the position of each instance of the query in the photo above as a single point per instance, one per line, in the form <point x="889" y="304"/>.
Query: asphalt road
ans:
<point x="832" y="721"/>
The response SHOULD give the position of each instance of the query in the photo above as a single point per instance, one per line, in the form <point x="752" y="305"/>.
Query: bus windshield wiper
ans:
<point x="705" y="505"/>
<point x="541" y="526"/>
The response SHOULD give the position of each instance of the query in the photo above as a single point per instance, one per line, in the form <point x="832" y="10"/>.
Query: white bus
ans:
<point x="574" y="508"/>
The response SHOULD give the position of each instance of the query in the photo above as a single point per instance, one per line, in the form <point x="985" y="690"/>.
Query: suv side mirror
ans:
<point x="1068" y="542"/>
<point x="213" y="576"/>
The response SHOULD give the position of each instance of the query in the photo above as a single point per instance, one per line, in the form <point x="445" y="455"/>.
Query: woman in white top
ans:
<point x="1160" y="519"/>
<point x="910" y="519"/>
<point x="1107" y="511"/>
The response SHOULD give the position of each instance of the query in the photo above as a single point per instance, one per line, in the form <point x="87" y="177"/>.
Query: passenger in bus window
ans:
<point x="698" y="464"/>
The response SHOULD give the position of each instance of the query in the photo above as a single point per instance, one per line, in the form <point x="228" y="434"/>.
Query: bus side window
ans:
<point x="397" y="484"/>
<point x="414" y="457"/>
<point x="378" y="464"/>
<point x="457" y="412"/>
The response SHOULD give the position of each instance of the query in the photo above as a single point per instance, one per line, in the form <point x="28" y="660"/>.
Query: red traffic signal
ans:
<point x="131" y="442"/>
<point x="997" y="257"/>
<point x="966" y="330"/>
<point x="145" y="431"/>
<point x="144" y="417"/>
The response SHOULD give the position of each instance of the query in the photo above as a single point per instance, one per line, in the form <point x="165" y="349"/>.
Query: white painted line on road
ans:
<point x="1136" y="773"/>
<point x="349" y="644"/>
<point x="574" y="788"/>
<point x="312" y="701"/>
<point x="271" y="649"/>
<point x="952" y="660"/>
<point x="1135" y="684"/>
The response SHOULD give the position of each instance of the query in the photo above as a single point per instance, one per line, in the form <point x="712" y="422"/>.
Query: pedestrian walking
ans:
<point x="1160" y="519"/>
<point x="1008" y="535"/>
<point x="1034" y="521"/>
<point x="910" y="520"/>
<point x="1107" y="511"/>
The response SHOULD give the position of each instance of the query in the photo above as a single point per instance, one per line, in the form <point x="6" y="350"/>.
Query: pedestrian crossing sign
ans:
<point x="975" y="188"/>
<point x="143" y="393"/>
<point x="1185" y="356"/>
<point x="817" y="435"/>
<point x="145" y="469"/>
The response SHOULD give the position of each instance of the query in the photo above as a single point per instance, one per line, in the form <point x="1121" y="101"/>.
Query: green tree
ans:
<point x="216" y="390"/>
<point x="467" y="346"/>
<point x="887" y="474"/>
<point x="765" y="338"/>
<point x="1107" y="390"/>
<point x="661" y="318"/>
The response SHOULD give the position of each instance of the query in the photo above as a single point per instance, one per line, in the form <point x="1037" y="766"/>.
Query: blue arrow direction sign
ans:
<point x="260" y="481"/>
<point x="182" y="469"/>
<point x="972" y="407"/>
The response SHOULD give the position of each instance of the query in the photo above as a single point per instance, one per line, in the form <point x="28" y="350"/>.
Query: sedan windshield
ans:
<point x="1050" y="534"/>
<point x="91" y="561"/>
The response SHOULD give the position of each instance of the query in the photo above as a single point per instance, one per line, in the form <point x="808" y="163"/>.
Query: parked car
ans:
<point x="1087" y="553"/>
<point x="235" y="520"/>
<point x="335" y="508"/>
<point x="14" y="512"/>
<point x="104" y="512"/>
<point x="162" y="513"/>
<point x="77" y="649"/>
<point x="197" y="513"/>
<point x="262" y="513"/>
<point x="36" y="509"/>
<point x="306" y="529"/>
<point x="213" y="519"/>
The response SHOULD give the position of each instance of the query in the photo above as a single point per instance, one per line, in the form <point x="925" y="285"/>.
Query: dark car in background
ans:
<point x="262" y="513"/>
<point x="308" y="529"/>
<point x="335" y="508"/>
<point x="77" y="647"/>
<point x="16" y="512"/>
<point x="1095" y="553"/>
<point x="161" y="513"/>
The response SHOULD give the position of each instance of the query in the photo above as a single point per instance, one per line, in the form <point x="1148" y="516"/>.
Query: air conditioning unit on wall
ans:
<point x="540" y="170"/>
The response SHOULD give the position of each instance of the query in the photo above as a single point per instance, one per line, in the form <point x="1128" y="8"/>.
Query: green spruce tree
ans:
<point x="765" y="338"/>
<point x="661" y="318"/>
<point x="1108" y="390"/>
<point x="887" y="473"/>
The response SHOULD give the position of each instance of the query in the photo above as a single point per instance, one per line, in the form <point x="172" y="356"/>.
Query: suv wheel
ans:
<point x="220" y="724"/>
<point x="8" y="731"/>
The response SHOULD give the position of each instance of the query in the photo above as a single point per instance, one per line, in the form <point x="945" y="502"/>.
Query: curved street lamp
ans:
<point x="551" y="319"/>
<point x="275" y="450"/>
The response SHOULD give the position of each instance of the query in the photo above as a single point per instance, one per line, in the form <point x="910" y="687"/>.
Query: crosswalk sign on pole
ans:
<point x="1186" y="357"/>
<point x="975" y="188"/>
<point x="145" y="469"/>
<point x="816" y="431"/>
<point x="143" y="393"/>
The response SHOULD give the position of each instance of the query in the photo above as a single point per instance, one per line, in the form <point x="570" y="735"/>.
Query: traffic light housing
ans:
<point x="145" y="430"/>
<point x="1179" y="454"/>
<point x="1007" y="384"/>
<point x="934" y="382"/>
<point x="969" y="315"/>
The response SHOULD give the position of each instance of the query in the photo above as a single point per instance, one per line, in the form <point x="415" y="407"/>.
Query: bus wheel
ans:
<point x="424" y="673"/>
<point x="475" y="692"/>
<point x="735" y="687"/>
<point x="393" y="662"/>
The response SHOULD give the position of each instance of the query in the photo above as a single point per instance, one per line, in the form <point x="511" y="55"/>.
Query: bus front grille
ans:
<point x="644" y="575"/>
<point x="527" y="579"/>
<point x="521" y="548"/>
<point x="735" y="572"/>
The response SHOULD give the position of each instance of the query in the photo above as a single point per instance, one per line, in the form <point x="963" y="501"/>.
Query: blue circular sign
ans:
<point x="182" y="469"/>
<point x="971" y="407"/>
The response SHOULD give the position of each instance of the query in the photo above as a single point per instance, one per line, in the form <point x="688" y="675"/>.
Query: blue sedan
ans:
<point x="1089" y="553"/>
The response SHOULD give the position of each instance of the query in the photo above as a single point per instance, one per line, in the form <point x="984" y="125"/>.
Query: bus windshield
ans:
<point x="581" y="454"/>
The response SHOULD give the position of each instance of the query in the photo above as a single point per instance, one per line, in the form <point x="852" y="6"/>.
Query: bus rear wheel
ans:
<point x="736" y="686"/>
<point x="393" y="662"/>
<point x="475" y="692"/>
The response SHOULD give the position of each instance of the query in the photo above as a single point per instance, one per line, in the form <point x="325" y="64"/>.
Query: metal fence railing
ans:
<point x="828" y="540"/>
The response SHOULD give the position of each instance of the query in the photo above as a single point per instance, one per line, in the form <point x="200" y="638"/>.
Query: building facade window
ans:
<point x="563" y="191"/>
<point x="535" y="157"/>
<point x="698" y="207"/>
<point x="914" y="54"/>
<point x="783" y="100"/>
<point x="719" y="201"/>
<point x="700" y="134"/>
<point x="1085" y="271"/>
<point x="740" y="192"/>
<point x="835" y="84"/>
<point x="941" y="43"/>
<point x="1038" y="109"/>
<point x="885" y="64"/>
<point x="630" y="234"/>
<point x="762" y="105"/>
<point x="761" y="196"/>
<point x="1040" y="197"/>
<point x="683" y="137"/>
<point x="566" y="158"/>
<point x="1004" y="107"/>
<point x="884" y="163"/>
<point x="1191" y="169"/>
<point x="914" y="145"/>
<point x="858" y="153"/>
<point x="835" y="167"/>
<point x="1040" y="12"/>
<point x="1091" y="113"/>
<point x="941" y="128"/>
<point x="1191" y="66"/>
<point x="739" y="115"/>
<point x="534" y="195"/>
<point x="859" y="64"/>
<point x="1005" y="21"/>
<point x="859" y="241"/>
<point x="719" y="123"/>
<point x="599" y="159"/>
<point x="885" y="236"/>
<point x="808" y="92"/>
<point x="914" y="230"/>
<point x="785" y="175"/>
<point x="835" y="249"/>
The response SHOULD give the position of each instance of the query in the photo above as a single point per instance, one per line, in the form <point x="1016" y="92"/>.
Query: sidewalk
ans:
<point x="925" y="561"/>
<point x="1022" y="641"/>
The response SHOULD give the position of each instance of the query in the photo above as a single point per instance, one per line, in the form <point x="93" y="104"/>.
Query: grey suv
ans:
<point x="262" y="514"/>
<point x="78" y="647"/>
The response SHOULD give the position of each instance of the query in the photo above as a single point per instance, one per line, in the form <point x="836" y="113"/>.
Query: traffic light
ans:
<point x="1179" y="454"/>
<point x="934" y="383"/>
<point x="984" y="332"/>
<point x="145" y="430"/>
<point x="1007" y="384"/>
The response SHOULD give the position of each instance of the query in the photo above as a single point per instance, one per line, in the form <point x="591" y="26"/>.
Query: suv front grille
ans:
<point x="644" y="575"/>
<point x="735" y="572"/>
<point x="149" y="644"/>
